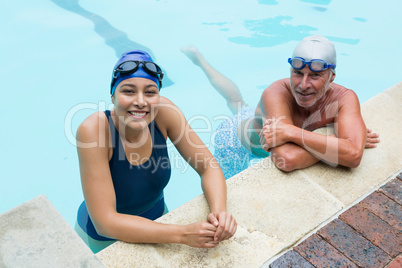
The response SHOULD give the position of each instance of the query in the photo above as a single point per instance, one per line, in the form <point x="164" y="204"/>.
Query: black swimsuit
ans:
<point x="139" y="189"/>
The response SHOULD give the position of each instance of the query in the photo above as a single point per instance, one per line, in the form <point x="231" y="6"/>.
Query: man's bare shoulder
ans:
<point x="342" y="93"/>
<point x="276" y="99"/>
<point x="279" y="88"/>
<point x="279" y="85"/>
<point x="340" y="88"/>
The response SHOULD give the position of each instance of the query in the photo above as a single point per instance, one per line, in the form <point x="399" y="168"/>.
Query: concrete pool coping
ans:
<point x="275" y="210"/>
<point x="34" y="234"/>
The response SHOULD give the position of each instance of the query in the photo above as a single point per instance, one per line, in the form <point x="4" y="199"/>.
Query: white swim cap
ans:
<point x="316" y="47"/>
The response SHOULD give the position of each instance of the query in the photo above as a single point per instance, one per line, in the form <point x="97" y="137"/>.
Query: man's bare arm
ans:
<point x="346" y="148"/>
<point x="275" y="102"/>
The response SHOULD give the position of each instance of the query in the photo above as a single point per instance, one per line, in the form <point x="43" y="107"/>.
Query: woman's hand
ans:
<point x="371" y="139"/>
<point x="225" y="223"/>
<point x="200" y="235"/>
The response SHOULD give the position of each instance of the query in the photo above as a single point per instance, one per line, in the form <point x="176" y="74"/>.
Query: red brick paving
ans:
<point x="291" y="259"/>
<point x="322" y="254"/>
<point x="393" y="190"/>
<point x="351" y="244"/>
<point x="369" y="234"/>
<point x="385" y="208"/>
<point x="374" y="229"/>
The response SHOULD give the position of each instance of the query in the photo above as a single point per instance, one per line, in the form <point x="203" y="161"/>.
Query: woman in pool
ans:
<point x="124" y="165"/>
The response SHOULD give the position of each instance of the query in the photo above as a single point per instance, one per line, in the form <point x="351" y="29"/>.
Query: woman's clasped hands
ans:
<point x="219" y="226"/>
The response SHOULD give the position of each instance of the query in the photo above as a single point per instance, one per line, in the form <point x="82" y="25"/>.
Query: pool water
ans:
<point x="57" y="57"/>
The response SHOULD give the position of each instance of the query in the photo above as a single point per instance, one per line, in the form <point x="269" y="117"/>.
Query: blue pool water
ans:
<point x="56" y="60"/>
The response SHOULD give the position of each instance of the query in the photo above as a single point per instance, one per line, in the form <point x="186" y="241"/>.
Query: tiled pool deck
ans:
<point x="366" y="235"/>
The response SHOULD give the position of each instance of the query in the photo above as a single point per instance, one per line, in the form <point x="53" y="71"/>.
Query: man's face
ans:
<point x="309" y="87"/>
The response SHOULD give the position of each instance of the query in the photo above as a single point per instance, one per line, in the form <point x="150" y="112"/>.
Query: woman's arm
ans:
<point x="200" y="158"/>
<point x="93" y="152"/>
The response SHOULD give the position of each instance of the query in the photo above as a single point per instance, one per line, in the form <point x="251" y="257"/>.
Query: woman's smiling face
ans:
<point x="136" y="102"/>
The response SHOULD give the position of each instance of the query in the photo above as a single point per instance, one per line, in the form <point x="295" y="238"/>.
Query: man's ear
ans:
<point x="333" y="77"/>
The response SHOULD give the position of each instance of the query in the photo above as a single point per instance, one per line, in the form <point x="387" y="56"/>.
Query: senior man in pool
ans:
<point x="292" y="108"/>
<point x="289" y="111"/>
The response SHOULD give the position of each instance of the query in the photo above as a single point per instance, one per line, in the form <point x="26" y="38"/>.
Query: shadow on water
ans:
<point x="113" y="37"/>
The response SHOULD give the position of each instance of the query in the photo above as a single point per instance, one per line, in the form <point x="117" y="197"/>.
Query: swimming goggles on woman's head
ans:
<point x="131" y="66"/>
<point x="314" y="65"/>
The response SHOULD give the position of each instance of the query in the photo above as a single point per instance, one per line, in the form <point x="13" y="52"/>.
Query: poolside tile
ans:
<point x="322" y="254"/>
<point x="246" y="248"/>
<point x="385" y="208"/>
<point x="393" y="190"/>
<point x="243" y="250"/>
<point x="291" y="259"/>
<point x="352" y="245"/>
<point x="374" y="229"/>
<point x="35" y="234"/>
<point x="285" y="205"/>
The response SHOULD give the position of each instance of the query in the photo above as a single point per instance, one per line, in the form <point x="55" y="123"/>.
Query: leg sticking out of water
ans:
<point x="221" y="83"/>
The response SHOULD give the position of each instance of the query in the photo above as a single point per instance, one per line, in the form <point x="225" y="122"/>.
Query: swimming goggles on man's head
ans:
<point x="314" y="65"/>
<point x="131" y="66"/>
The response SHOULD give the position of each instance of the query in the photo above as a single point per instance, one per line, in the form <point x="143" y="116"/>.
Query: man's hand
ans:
<point x="371" y="139"/>
<point x="274" y="133"/>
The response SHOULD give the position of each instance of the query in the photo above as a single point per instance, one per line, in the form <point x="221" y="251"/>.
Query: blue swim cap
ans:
<point x="132" y="55"/>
